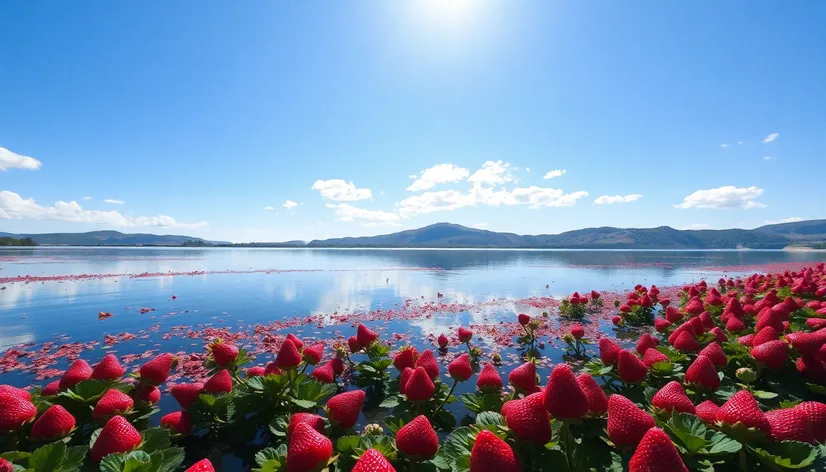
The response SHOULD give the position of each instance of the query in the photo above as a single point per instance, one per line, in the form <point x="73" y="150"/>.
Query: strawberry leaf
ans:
<point x="786" y="455"/>
<point x="167" y="460"/>
<point x="155" y="439"/>
<point x="135" y="461"/>
<point x="689" y="430"/>
<point x="47" y="458"/>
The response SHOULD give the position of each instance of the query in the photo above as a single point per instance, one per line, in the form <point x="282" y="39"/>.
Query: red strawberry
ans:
<point x="807" y="344"/>
<point x="626" y="422"/>
<point x="491" y="454"/>
<point x="489" y="380"/>
<point x="187" y="394"/>
<point x="223" y="353"/>
<point x="417" y="439"/>
<point x="617" y="320"/>
<point x="6" y="466"/>
<point x="419" y="387"/>
<point x="116" y="436"/>
<point x="404" y="377"/>
<point x="790" y="424"/>
<point x="673" y="315"/>
<point x="653" y="356"/>
<point x="705" y="318"/>
<point x="645" y="343"/>
<point x="715" y="354"/>
<point x="743" y="408"/>
<point x="460" y="368"/>
<point x="256" y="371"/>
<point x="51" y="389"/>
<point x="529" y="420"/>
<point x="156" y="371"/>
<point x="204" y="465"/>
<point x="79" y="371"/>
<point x="816" y="412"/>
<point x="308" y="450"/>
<point x="428" y="362"/>
<point x="113" y="402"/>
<point x="55" y="423"/>
<point x="608" y="351"/>
<point x="288" y="356"/>
<point x="147" y="394"/>
<point x="661" y="325"/>
<point x="372" y="461"/>
<point x="564" y="397"/>
<point x="365" y="335"/>
<point x="694" y="306"/>
<point x="656" y="453"/>
<point x="707" y="411"/>
<point x="686" y="343"/>
<point x="672" y="397"/>
<point x="719" y="335"/>
<point x="746" y="340"/>
<point x="597" y="401"/>
<point x="15" y="411"/>
<point x="406" y="357"/>
<point x="15" y="392"/>
<point x="773" y="354"/>
<point x="344" y="409"/>
<point x="178" y="421"/>
<point x="770" y="318"/>
<point x="219" y="383"/>
<point x="630" y="368"/>
<point x="316" y="422"/>
<point x="272" y="369"/>
<point x="735" y="324"/>
<point x="506" y="407"/>
<point x="443" y="341"/>
<point x="523" y="319"/>
<point x="337" y="364"/>
<point x="353" y="344"/>
<point x="523" y="378"/>
<point x="299" y="344"/>
<point x="702" y="375"/>
<point x="324" y="373"/>
<point x="465" y="335"/>
<point x="577" y="331"/>
<point x="314" y="353"/>
<point x="764" y="335"/>
<point x="108" y="368"/>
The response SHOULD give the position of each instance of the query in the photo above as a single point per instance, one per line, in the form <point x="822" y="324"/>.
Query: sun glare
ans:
<point x="447" y="13"/>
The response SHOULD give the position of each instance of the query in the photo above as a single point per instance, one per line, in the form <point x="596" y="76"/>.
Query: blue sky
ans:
<point x="207" y="118"/>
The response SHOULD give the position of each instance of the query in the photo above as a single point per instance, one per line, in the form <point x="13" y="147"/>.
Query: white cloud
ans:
<point x="555" y="173"/>
<point x="492" y="173"/>
<point x="727" y="197"/>
<point x="269" y="208"/>
<point x="767" y="158"/>
<point x="480" y="225"/>
<point x="87" y="198"/>
<point x="792" y="219"/>
<point x="527" y="169"/>
<point x="13" y="206"/>
<point x="289" y="204"/>
<point x="739" y="142"/>
<point x="534" y="197"/>
<point x="771" y="137"/>
<point x="341" y="191"/>
<point x="724" y="145"/>
<point x="347" y="213"/>
<point x="438" y="174"/>
<point x="611" y="199"/>
<point x="698" y="226"/>
<point x="10" y="160"/>
<point x="113" y="201"/>
<point x="430" y="202"/>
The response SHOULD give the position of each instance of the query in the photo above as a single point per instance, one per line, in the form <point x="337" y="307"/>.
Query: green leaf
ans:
<point x="305" y="404"/>
<point x="722" y="444"/>
<point x="74" y="458"/>
<point x="764" y="394"/>
<point x="155" y="439"/>
<point x="444" y="420"/>
<point x="490" y="419"/>
<point x="135" y="461"/>
<point x="384" y="444"/>
<point x="786" y="455"/>
<point x="390" y="402"/>
<point x="167" y="460"/>
<point x="15" y="456"/>
<point x="278" y="426"/>
<point x="689" y="430"/>
<point x="456" y="450"/>
<point x="47" y="458"/>
<point x="348" y="444"/>
<point x="265" y="455"/>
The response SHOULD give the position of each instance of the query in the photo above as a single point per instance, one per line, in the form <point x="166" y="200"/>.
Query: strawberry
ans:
<point x="577" y="332"/>
<point x="55" y="423"/>
<point x="316" y="422"/>
<point x="523" y="378"/>
<point x="743" y="408"/>
<point x="299" y="344"/>
<point x="15" y="392"/>
<point x="694" y="306"/>
<point x="608" y="351"/>
<point x="115" y="437"/>
<point x="147" y="394"/>
<point x="653" y="356"/>
<point x="15" y="411"/>
<point x="772" y="354"/>
<point x="219" y="383"/>
<point x="816" y="412"/>
<point x="272" y="369"/>
<point x="702" y="375"/>
<point x="113" y="402"/>
<point x="506" y="407"/>
<point x="746" y="340"/>
<point x="719" y="335"/>
<point x="630" y="368"/>
<point x="51" y="389"/>
<point x="6" y="466"/>
<point x="223" y="353"/>
<point x="770" y="318"/>
<point x="419" y="387"/>
<point x="156" y="371"/>
<point x="353" y="344"/>
<point x="645" y="343"/>
<point x="313" y="354"/>
<point x="672" y="397"/>
<point x="78" y="372"/>
<point x="735" y="324"/>
<point x="308" y="450"/>
<point x="707" y="411"/>
<point x="187" y="394"/>
<point x="324" y="373"/>
<point x="705" y="318"/>
<point x="656" y="453"/>
<point x="686" y="343"/>
<point x="460" y="368"/>
<point x="337" y="364"/>
<point x="523" y="319"/>
<point x="715" y="354"/>
<point x="417" y="439"/>
<point x="406" y="357"/>
<point x="697" y="325"/>
<point x="365" y="335"/>
<point x="108" y="368"/>
<point x="491" y="454"/>
<point x="204" y="465"/>
<point x="597" y="401"/>
<point x="790" y="424"/>
<point x="807" y="344"/>
<point x="564" y="397"/>
<point x="404" y="377"/>
<point x="443" y="341"/>
<point x="673" y="315"/>
<point x="465" y="335"/>
<point x="428" y="362"/>
<point x="178" y="421"/>
<point x="256" y="371"/>
<point x="372" y="461"/>
<point x="626" y="422"/>
<point x="489" y="380"/>
<point x="529" y="420"/>
<point x="764" y="335"/>
<point x="344" y="409"/>
<point x="288" y="356"/>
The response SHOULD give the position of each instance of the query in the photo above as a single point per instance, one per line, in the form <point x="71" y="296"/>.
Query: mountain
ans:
<point x="446" y="235"/>
<point x="108" y="238"/>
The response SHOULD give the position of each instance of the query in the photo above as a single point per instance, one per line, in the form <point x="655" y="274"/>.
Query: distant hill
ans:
<point x="446" y="235"/>
<point x="108" y="238"/>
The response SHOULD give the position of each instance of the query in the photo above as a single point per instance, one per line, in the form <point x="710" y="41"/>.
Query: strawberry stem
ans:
<point x="453" y="387"/>
<point x="566" y="438"/>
